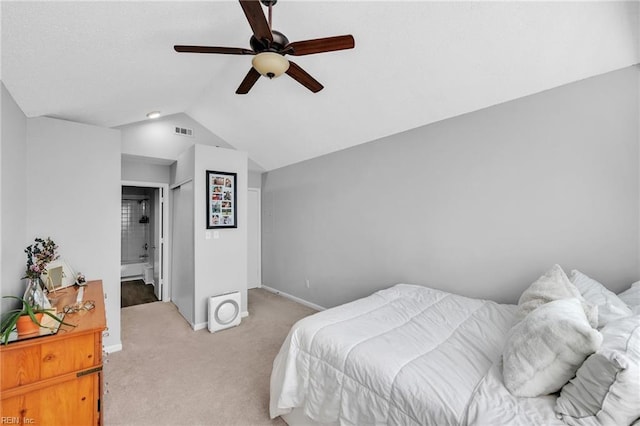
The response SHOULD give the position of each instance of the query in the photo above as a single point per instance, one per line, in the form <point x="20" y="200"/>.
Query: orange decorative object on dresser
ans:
<point x="25" y="324"/>
<point x="57" y="379"/>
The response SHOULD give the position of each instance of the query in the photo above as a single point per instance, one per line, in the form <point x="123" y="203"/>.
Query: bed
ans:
<point x="406" y="355"/>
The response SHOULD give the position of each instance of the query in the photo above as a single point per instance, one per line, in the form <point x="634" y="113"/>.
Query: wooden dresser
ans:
<point x="57" y="379"/>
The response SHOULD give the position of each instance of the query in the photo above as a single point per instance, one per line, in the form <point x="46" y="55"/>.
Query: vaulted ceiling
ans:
<point x="109" y="63"/>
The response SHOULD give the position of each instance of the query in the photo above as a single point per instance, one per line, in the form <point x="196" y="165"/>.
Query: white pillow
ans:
<point x="610" y="307"/>
<point x="543" y="351"/>
<point x="631" y="296"/>
<point x="606" y="389"/>
<point x="553" y="285"/>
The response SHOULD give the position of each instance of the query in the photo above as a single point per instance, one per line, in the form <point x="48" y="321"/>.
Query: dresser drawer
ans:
<point x="67" y="355"/>
<point x="72" y="402"/>
<point x="20" y="366"/>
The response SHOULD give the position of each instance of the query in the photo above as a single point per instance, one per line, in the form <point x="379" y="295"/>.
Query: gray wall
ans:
<point x="144" y="170"/>
<point x="13" y="201"/>
<point x="214" y="265"/>
<point x="255" y="179"/>
<point x="73" y="187"/>
<point x="481" y="204"/>
<point x="220" y="263"/>
<point x="61" y="179"/>
<point x="157" y="139"/>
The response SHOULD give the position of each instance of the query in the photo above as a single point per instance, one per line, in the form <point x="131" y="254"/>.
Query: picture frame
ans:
<point x="59" y="275"/>
<point x="221" y="200"/>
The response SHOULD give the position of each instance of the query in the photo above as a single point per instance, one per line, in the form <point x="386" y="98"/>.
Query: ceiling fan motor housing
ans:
<point x="278" y="43"/>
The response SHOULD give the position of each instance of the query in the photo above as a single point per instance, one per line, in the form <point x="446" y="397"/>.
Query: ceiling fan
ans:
<point x="270" y="46"/>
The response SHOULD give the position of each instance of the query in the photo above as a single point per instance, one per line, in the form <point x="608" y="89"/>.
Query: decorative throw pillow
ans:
<point x="553" y="285"/>
<point x="543" y="351"/>
<point x="606" y="389"/>
<point x="610" y="307"/>
<point x="631" y="296"/>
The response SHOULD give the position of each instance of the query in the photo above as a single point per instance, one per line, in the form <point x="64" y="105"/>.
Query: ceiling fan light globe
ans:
<point x="270" y="64"/>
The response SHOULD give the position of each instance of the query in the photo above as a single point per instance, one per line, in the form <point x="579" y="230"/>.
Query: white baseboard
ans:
<point x="244" y="314"/>
<point x="113" y="348"/>
<point x="294" y="298"/>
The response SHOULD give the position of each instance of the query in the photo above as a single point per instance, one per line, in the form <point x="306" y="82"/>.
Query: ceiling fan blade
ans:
<point x="257" y="20"/>
<point x="214" y="49"/>
<point x="248" y="82"/>
<point x="319" y="45"/>
<point x="302" y="77"/>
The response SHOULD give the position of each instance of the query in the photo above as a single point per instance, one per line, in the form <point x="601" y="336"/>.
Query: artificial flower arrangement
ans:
<point x="39" y="255"/>
<point x="34" y="303"/>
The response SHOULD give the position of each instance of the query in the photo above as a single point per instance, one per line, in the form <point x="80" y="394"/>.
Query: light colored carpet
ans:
<point x="168" y="374"/>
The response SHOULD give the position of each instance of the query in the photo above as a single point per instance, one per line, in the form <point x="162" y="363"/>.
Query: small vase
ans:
<point x="25" y="324"/>
<point x="34" y="295"/>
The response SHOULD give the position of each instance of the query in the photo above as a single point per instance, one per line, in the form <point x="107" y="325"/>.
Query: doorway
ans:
<point x="144" y="236"/>
<point x="254" y="262"/>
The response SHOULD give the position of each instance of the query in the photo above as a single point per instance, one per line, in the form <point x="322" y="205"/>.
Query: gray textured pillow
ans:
<point x="606" y="389"/>
<point x="631" y="296"/>
<point x="610" y="307"/>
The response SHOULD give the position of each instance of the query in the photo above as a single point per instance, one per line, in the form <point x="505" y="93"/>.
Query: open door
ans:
<point x="159" y="256"/>
<point x="158" y="246"/>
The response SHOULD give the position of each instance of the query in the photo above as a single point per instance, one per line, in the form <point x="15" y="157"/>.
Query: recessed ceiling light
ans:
<point x="153" y="114"/>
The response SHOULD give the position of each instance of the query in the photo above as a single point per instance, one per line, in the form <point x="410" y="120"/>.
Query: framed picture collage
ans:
<point x="221" y="200"/>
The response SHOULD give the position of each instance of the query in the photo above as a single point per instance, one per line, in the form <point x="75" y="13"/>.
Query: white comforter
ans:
<point x="492" y="404"/>
<point x="405" y="355"/>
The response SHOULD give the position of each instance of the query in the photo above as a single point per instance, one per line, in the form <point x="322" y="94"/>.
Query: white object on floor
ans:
<point x="224" y="311"/>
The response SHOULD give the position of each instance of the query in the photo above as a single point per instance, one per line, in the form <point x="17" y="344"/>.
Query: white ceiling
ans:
<point x="109" y="63"/>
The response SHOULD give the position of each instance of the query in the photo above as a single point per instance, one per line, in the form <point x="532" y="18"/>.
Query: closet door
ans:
<point x="182" y="253"/>
<point x="254" y="267"/>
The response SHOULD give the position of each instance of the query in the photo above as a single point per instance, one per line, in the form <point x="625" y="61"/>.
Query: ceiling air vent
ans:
<point x="183" y="131"/>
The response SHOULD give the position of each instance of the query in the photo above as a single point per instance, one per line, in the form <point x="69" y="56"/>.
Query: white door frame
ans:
<point x="165" y="260"/>
<point x="259" y="231"/>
